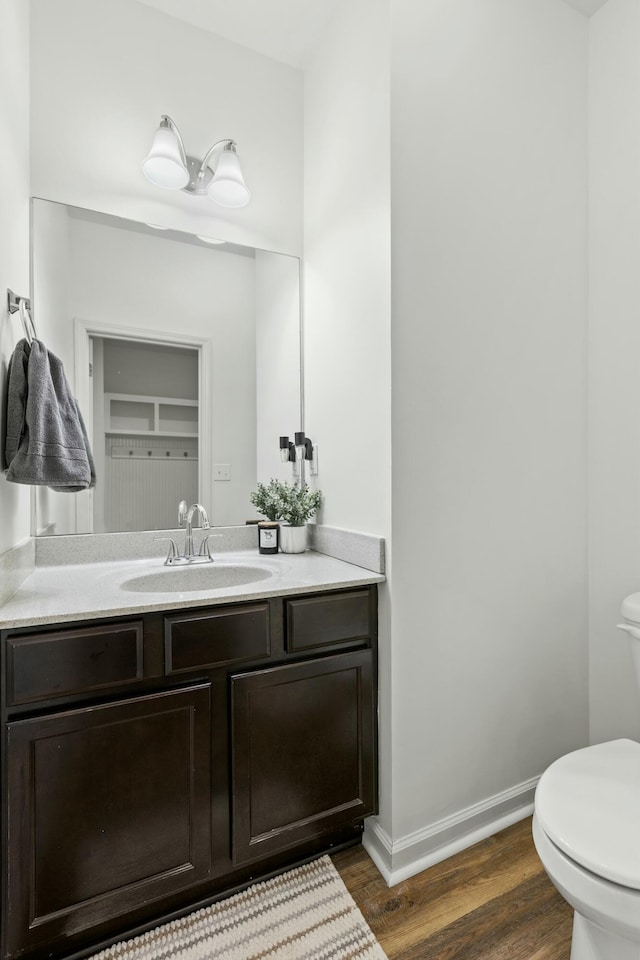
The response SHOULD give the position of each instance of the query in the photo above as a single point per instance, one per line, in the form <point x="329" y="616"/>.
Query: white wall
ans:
<point x="103" y="72"/>
<point x="346" y="266"/>
<point x="50" y="240"/>
<point x="149" y="369"/>
<point x="347" y="363"/>
<point x="277" y="360"/>
<point x="489" y="181"/>
<point x="50" y="289"/>
<point x="614" y="414"/>
<point x="14" y="229"/>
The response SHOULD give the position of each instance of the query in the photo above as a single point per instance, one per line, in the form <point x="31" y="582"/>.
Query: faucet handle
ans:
<point x="204" y="546"/>
<point x="173" y="550"/>
<point x="182" y="513"/>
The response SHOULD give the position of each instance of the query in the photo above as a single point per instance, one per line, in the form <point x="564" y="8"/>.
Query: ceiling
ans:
<point x="283" y="29"/>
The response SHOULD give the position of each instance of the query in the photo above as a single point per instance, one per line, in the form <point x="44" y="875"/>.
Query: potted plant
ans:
<point x="267" y="499"/>
<point x="299" y="504"/>
<point x="291" y="503"/>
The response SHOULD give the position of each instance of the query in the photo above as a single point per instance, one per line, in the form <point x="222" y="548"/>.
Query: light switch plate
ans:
<point x="222" y="471"/>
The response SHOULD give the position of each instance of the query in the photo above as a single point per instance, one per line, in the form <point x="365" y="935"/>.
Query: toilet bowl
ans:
<point x="586" y="829"/>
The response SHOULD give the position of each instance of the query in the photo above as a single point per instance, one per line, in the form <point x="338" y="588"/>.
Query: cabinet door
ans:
<point x="302" y="751"/>
<point x="108" y="809"/>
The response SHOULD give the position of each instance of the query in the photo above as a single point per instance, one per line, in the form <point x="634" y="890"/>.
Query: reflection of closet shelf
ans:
<point x="138" y="416"/>
<point x="149" y="433"/>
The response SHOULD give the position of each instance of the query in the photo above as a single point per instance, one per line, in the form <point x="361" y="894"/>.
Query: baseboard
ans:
<point x="399" y="859"/>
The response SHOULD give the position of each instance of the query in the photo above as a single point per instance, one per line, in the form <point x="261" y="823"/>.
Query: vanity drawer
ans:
<point x="325" y="620"/>
<point x="215" y="638"/>
<point x="63" y="662"/>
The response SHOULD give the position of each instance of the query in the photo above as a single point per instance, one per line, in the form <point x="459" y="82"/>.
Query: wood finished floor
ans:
<point x="490" y="902"/>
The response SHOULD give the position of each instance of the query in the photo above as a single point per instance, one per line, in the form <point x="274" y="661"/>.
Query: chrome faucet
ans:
<point x="188" y="520"/>
<point x="185" y="519"/>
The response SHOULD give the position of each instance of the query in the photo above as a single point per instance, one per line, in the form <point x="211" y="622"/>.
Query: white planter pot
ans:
<point x="293" y="539"/>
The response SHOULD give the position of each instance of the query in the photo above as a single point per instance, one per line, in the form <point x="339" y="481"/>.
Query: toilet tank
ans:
<point x="631" y="626"/>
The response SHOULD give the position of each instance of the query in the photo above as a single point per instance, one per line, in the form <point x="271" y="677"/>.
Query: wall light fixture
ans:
<point x="304" y="447"/>
<point x="169" y="166"/>
<point x="296" y="453"/>
<point x="287" y="450"/>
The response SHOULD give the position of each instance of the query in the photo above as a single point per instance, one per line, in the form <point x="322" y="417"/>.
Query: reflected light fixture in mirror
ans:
<point x="287" y="450"/>
<point x="169" y="166"/>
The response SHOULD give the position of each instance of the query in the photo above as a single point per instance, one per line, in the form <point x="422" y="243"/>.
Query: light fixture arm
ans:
<point x="166" y="121"/>
<point x="228" y="145"/>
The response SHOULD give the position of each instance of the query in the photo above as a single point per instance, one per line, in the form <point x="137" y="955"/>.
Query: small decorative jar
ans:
<point x="268" y="536"/>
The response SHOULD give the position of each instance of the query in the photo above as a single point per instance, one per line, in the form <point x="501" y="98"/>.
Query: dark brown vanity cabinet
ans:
<point x="301" y="751"/>
<point x="152" y="764"/>
<point x="108" y="807"/>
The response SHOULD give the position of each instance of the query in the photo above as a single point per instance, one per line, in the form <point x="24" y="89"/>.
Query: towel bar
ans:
<point x="22" y="305"/>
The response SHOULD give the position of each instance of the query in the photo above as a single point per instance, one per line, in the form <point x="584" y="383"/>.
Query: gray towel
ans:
<point x="16" y="400"/>
<point x="46" y="441"/>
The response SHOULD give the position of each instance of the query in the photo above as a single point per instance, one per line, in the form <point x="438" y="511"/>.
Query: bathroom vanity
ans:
<point x="153" y="761"/>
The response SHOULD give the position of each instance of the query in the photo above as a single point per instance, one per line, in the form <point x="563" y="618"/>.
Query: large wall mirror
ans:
<point x="184" y="355"/>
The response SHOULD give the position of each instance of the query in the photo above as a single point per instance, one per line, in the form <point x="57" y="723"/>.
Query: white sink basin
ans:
<point x="191" y="579"/>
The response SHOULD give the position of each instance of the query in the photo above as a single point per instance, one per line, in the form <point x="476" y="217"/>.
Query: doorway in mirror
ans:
<point x="145" y="429"/>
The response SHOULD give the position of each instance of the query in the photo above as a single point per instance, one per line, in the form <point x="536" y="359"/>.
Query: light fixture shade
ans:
<point x="165" y="167"/>
<point x="227" y="186"/>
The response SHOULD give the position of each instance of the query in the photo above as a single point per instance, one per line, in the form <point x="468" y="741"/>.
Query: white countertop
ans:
<point x="88" y="591"/>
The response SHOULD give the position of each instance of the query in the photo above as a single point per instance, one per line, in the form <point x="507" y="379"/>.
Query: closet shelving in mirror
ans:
<point x="141" y="416"/>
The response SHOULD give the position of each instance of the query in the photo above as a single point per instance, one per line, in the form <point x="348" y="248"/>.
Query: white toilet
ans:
<point x="586" y="828"/>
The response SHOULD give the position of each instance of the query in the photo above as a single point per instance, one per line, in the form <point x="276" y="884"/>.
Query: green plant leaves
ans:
<point x="292" y="502"/>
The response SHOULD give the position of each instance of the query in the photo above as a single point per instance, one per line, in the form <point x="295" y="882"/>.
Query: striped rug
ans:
<point x="305" y="914"/>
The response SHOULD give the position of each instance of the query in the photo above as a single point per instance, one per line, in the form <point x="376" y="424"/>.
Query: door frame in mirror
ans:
<point x="83" y="330"/>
